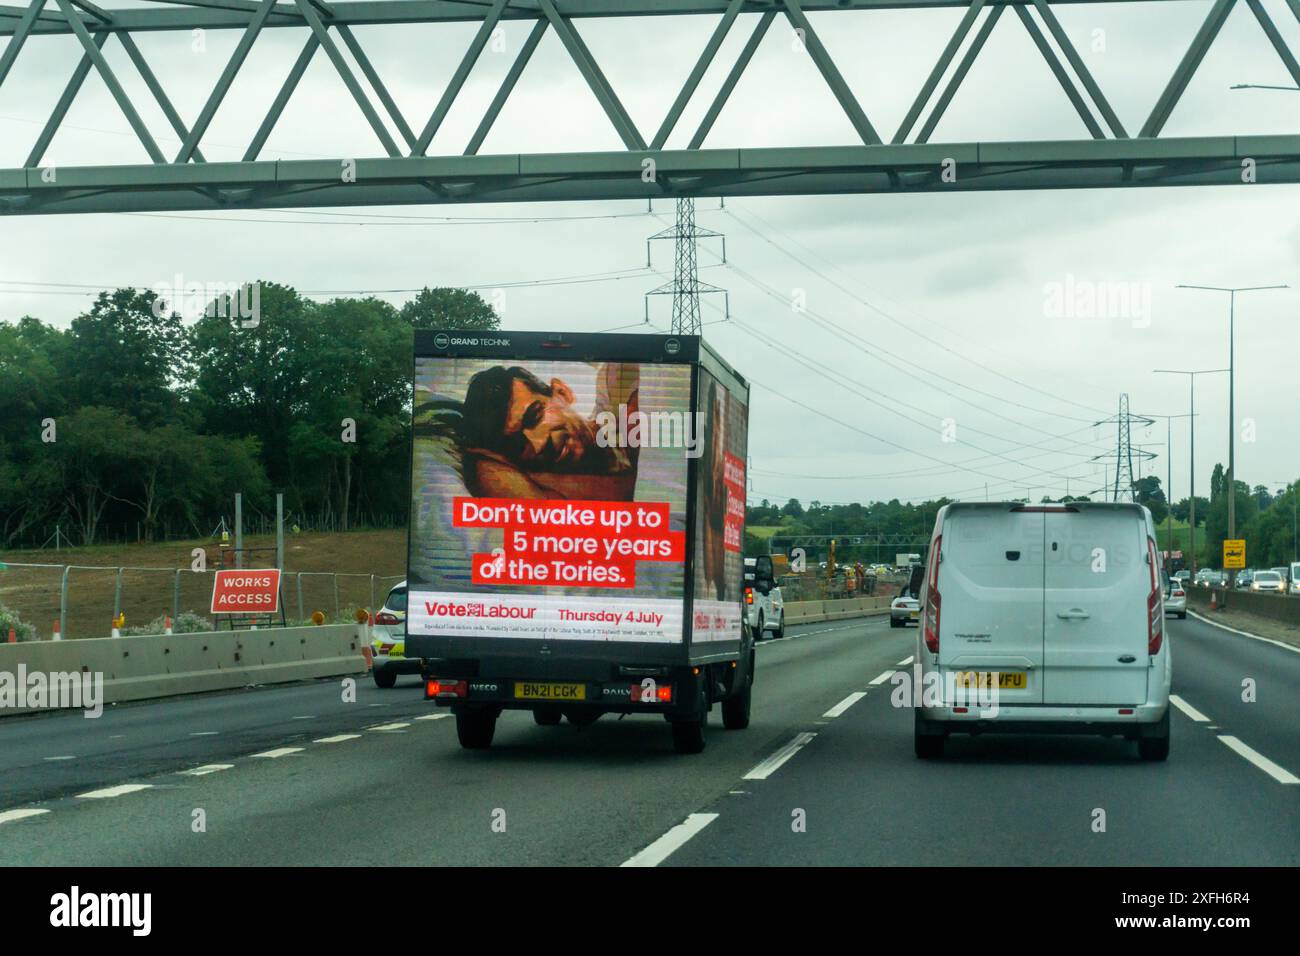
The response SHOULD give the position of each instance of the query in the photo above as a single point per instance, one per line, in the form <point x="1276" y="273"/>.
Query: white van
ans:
<point x="1056" y="612"/>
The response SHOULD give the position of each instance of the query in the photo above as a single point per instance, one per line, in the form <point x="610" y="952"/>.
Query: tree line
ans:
<point x="132" y="418"/>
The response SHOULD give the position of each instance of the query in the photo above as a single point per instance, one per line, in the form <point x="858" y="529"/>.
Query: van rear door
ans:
<point x="991" y="588"/>
<point x="1098" y="581"/>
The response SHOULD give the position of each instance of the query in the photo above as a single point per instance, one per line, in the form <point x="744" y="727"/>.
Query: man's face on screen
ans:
<point x="546" y="432"/>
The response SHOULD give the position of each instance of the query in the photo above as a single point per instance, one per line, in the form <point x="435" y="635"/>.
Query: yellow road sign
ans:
<point x="1234" y="553"/>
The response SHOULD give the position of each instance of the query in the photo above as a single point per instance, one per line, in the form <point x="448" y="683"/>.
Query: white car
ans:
<point x="764" y="605"/>
<point x="1176" y="600"/>
<point x="1043" y="619"/>
<point x="1268" y="581"/>
<point x="902" y="609"/>
<point x="388" y="640"/>
<point x="1295" y="577"/>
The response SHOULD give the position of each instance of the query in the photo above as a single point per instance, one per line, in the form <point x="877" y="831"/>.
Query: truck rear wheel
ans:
<point x="688" y="736"/>
<point x="475" y="728"/>
<point x="735" y="709"/>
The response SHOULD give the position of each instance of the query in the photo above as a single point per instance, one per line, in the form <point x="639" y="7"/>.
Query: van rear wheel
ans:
<point x="928" y="742"/>
<point x="1156" y="748"/>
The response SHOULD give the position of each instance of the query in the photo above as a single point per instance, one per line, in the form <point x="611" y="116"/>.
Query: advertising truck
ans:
<point x="577" y="523"/>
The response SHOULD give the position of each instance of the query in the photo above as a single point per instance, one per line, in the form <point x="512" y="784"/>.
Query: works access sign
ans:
<point x="254" y="591"/>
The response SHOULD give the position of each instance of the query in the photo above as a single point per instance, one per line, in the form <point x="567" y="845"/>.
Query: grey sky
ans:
<point x="970" y="272"/>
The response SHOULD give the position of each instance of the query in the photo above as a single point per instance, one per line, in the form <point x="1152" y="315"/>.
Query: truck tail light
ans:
<point x="1155" y="607"/>
<point x="386" y="617"/>
<point x="662" y="694"/>
<point x="435" y="687"/>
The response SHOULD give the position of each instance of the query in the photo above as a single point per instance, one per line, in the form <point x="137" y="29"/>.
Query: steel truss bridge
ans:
<point x="399" y="170"/>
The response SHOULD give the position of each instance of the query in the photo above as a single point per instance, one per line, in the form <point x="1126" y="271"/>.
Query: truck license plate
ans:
<point x="528" y="690"/>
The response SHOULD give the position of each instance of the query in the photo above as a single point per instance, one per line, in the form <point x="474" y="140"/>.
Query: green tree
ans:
<point x="444" y="308"/>
<point x="122" y="355"/>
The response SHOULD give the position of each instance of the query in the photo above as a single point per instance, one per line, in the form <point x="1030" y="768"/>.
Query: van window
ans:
<point x="1095" y="548"/>
<point x="994" y="548"/>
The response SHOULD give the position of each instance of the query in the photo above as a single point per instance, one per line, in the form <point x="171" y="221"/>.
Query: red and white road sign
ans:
<point x="252" y="591"/>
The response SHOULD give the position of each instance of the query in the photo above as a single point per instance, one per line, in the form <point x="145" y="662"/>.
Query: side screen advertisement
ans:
<point x="549" y="499"/>
<point x="719" y="558"/>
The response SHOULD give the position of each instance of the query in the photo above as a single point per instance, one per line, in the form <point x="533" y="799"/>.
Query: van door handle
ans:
<point x="1074" y="614"/>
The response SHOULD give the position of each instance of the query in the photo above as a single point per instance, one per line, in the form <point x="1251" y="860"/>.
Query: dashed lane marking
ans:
<point x="845" y="704"/>
<point x="1188" y="709"/>
<point x="774" y="763"/>
<point x="120" y="790"/>
<point x="672" y="841"/>
<point x="1280" y="774"/>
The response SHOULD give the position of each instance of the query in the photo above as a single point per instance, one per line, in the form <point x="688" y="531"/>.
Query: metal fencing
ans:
<point x="79" y="601"/>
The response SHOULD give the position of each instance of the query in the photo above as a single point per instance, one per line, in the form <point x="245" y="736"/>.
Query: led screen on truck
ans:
<point x="549" y="499"/>
<point x="720" y="504"/>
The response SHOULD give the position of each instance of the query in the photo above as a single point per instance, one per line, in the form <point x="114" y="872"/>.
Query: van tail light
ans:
<point x="1155" y="607"/>
<point x="749" y="595"/>
<point x="932" y="600"/>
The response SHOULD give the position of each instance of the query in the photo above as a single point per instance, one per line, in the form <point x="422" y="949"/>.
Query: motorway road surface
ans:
<point x="293" y="775"/>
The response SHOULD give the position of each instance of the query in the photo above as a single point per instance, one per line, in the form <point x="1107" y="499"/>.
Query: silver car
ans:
<point x="1268" y="581"/>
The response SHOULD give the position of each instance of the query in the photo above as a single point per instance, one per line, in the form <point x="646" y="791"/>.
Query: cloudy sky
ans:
<point x="929" y="357"/>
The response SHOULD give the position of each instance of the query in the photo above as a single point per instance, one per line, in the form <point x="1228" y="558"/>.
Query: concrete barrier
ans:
<point x="814" y="612"/>
<point x="1285" y="608"/>
<point x="136" y="668"/>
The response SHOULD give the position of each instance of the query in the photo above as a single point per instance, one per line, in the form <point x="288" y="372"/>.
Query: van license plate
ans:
<point x="1007" y="680"/>
<point x="527" y="690"/>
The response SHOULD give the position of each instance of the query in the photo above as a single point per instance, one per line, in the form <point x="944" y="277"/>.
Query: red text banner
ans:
<point x="558" y="543"/>
<point x="733" y="525"/>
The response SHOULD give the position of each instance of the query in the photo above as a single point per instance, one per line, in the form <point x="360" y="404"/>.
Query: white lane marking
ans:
<point x="389" y="727"/>
<point x="1188" y="709"/>
<point x="431" y="716"/>
<point x="336" y="739"/>
<point x="204" y="733"/>
<point x="7" y="816"/>
<point x="1280" y="774"/>
<point x="773" y="763"/>
<point x="64" y="757"/>
<point x="877" y="681"/>
<point x="1266" y="640"/>
<point x="672" y="841"/>
<point x="118" y="791"/>
<point x="845" y="704"/>
<point x="905" y="661"/>
<point x="116" y="736"/>
<point x="207" y="768"/>
<point x="279" y="752"/>
<point x="306" y="717"/>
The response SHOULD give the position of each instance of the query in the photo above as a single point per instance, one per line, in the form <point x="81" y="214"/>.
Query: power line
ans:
<point x="882" y="312"/>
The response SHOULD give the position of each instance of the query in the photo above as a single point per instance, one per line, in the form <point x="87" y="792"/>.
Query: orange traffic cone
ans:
<point x="1214" y="600"/>
<point x="167" y="626"/>
<point x="368" y="653"/>
<point x="56" y="634"/>
<point x="13" y="636"/>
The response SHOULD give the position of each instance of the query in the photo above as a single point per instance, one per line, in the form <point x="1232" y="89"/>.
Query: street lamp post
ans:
<point x="1191" y="457"/>
<point x="1232" y="395"/>
<point x="1169" y="480"/>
